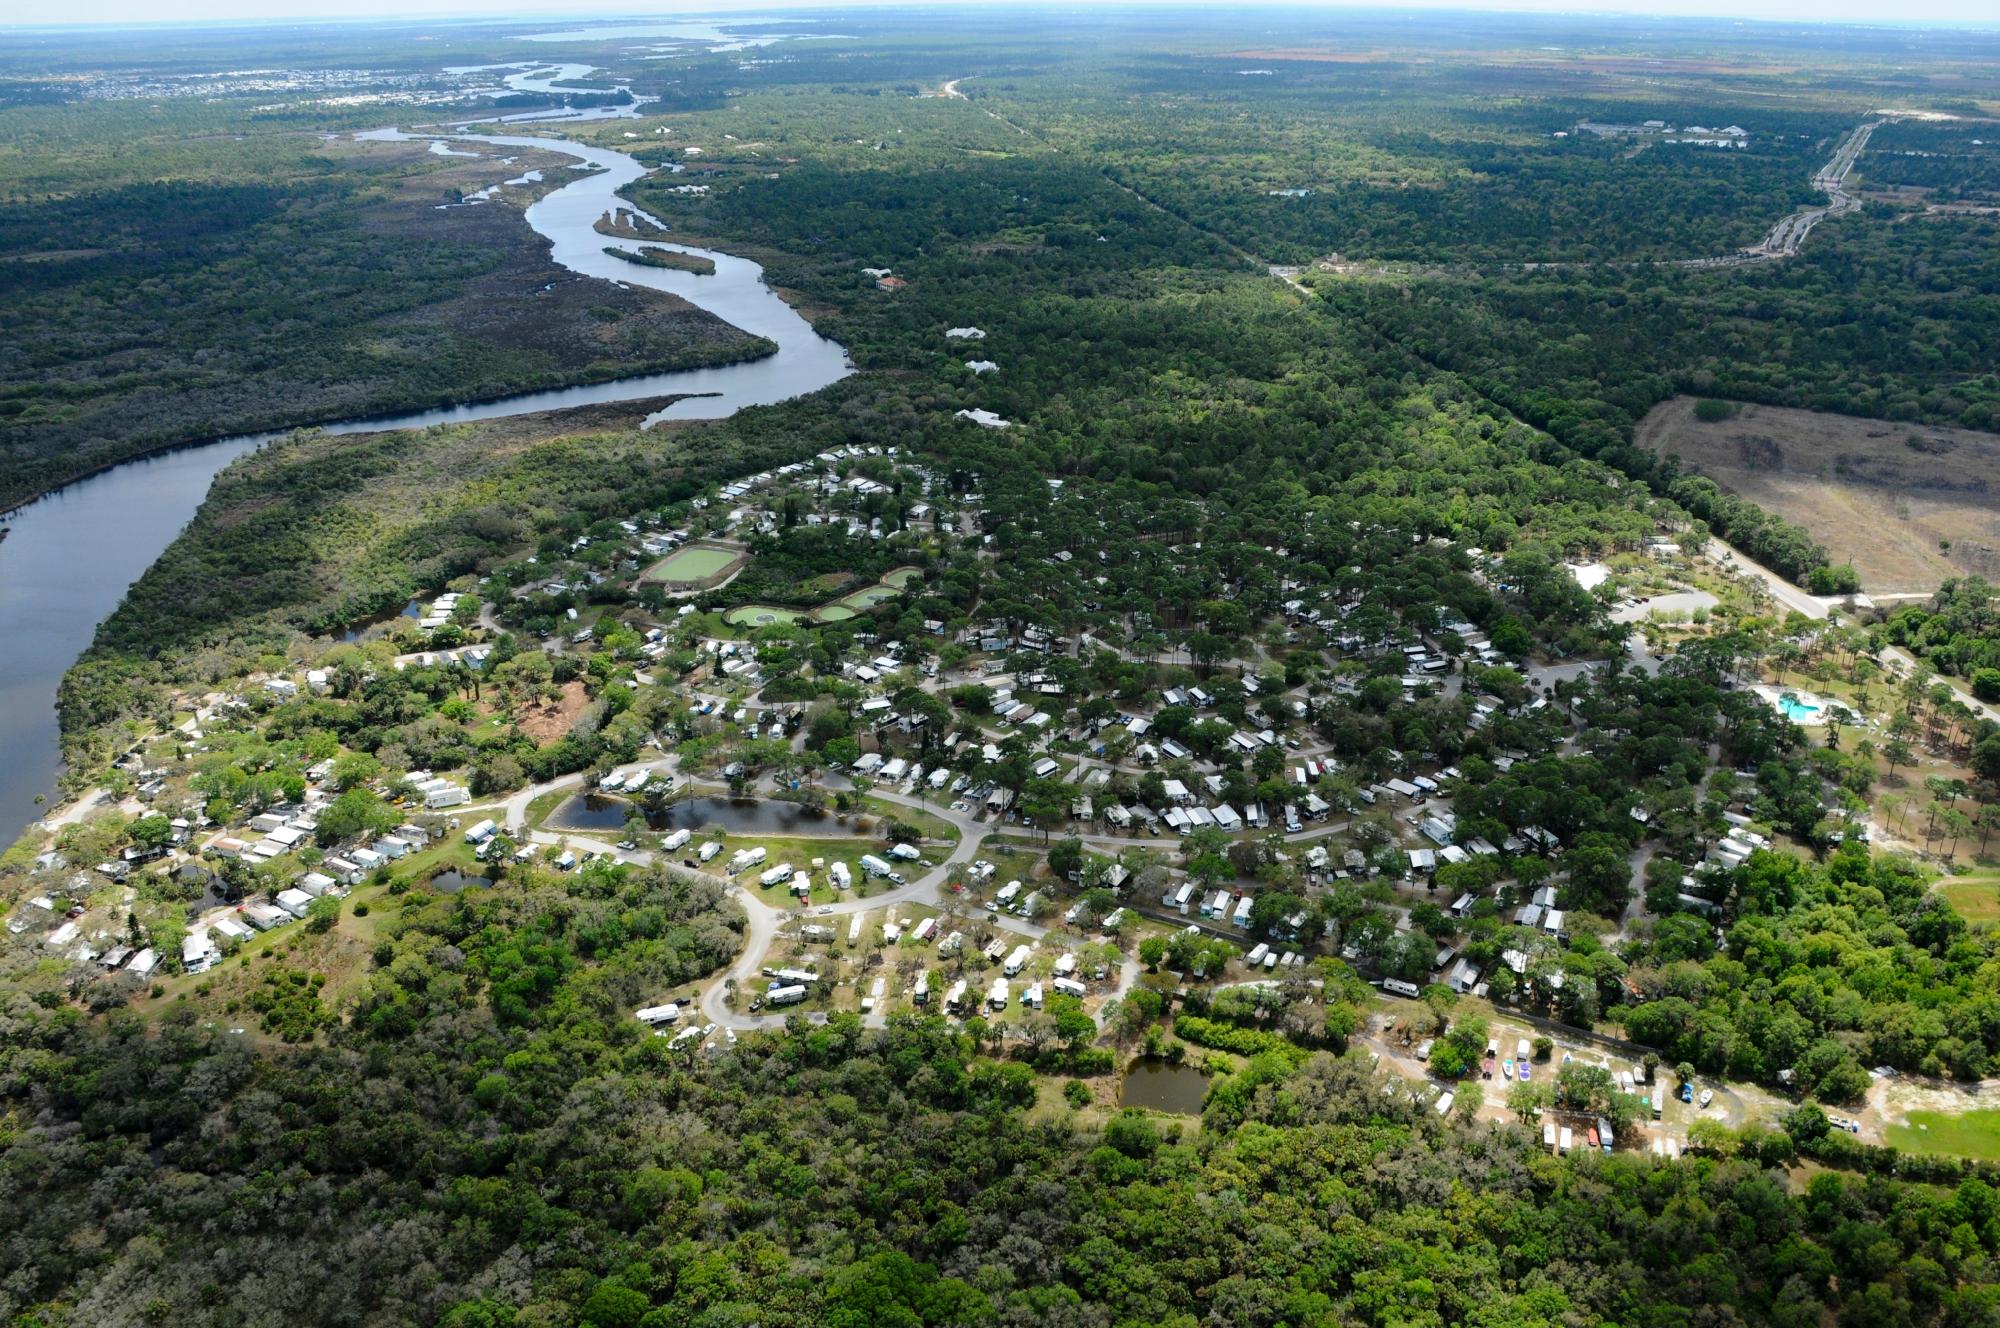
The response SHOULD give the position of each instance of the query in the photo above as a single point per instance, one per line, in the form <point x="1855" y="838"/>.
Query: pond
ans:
<point x="869" y="598"/>
<point x="592" y="811"/>
<point x="762" y="615"/>
<point x="452" y="881"/>
<point x="414" y="609"/>
<point x="1158" y="1086"/>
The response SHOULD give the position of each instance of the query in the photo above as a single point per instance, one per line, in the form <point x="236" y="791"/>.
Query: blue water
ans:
<point x="1796" y="710"/>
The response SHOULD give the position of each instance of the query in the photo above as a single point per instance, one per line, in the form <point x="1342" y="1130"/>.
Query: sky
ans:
<point x="1985" y="13"/>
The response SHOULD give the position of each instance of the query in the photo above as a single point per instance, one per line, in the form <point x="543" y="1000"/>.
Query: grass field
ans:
<point x="695" y="563"/>
<point x="1977" y="898"/>
<point x="1974" y="1134"/>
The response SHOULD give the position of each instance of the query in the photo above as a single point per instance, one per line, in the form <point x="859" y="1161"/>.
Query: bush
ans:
<point x="1711" y="411"/>
<point x="1228" y="1037"/>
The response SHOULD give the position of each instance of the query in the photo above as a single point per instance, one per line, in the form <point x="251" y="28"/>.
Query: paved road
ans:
<point x="1912" y="666"/>
<point x="765" y="922"/>
<point x="1787" y="594"/>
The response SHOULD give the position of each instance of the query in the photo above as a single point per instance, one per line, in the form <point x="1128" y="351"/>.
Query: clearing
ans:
<point x="1909" y="505"/>
<point x="1976" y="898"/>
<point x="1973" y="1134"/>
<point x="546" y="723"/>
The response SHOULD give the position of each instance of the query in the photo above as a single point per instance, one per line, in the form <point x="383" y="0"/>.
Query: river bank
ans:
<point x="72" y="553"/>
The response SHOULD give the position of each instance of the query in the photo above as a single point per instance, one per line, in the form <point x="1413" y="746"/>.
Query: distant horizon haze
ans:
<point x="133" y="13"/>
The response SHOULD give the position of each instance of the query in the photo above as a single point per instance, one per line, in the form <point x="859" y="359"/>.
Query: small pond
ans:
<point x="414" y="609"/>
<point x="1159" y="1086"/>
<point x="592" y="811"/>
<point x="453" y="880"/>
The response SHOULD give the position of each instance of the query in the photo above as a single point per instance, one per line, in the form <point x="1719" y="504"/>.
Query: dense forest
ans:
<point x="486" y="1142"/>
<point x="279" y="280"/>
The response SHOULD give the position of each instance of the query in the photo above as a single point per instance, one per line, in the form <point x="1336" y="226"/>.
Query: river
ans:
<point x="68" y="558"/>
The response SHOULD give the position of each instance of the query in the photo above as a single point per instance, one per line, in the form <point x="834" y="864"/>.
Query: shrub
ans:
<point x="1227" y="1037"/>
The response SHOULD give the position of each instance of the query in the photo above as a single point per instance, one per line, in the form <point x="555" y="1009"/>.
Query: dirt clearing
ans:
<point x="1908" y="504"/>
<point x="548" y="723"/>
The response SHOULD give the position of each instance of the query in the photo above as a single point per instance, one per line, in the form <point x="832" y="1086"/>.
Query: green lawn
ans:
<point x="540" y="809"/>
<point x="1977" y="898"/>
<point x="1973" y="1134"/>
<point x="694" y="563"/>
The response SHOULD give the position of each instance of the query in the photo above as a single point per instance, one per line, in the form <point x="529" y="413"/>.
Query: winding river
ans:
<point x="68" y="558"/>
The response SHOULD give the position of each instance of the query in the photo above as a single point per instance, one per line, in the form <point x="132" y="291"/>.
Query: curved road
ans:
<point x="763" y="922"/>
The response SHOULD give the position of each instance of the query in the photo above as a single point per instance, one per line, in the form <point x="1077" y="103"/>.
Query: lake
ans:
<point x="68" y="557"/>
<point x="1158" y="1086"/>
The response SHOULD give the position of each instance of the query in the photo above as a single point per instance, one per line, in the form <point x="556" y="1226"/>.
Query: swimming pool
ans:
<point x="1799" y="712"/>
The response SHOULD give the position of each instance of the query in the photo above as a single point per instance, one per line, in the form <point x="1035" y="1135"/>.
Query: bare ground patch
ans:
<point x="546" y="723"/>
<point x="1908" y="504"/>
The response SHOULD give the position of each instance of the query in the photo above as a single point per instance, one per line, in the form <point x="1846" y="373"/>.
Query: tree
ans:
<point x="355" y="814"/>
<point x="1072" y="1025"/>
<point x="1599" y="867"/>
<point x="1897" y="752"/>
<point x="322" y="914"/>
<point x="353" y="769"/>
<point x="1527" y="1100"/>
<point x="151" y="831"/>
<point x="1045" y="802"/>
<point x="614" y="1305"/>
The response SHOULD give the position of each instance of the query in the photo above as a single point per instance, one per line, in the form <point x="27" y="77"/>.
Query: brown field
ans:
<point x="1875" y="492"/>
